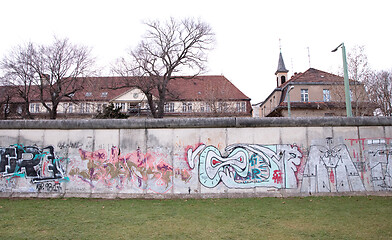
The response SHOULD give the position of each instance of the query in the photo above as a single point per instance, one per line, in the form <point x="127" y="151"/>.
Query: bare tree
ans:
<point x="380" y="91"/>
<point x="5" y="101"/>
<point x="359" y="72"/>
<point x="19" y="73"/>
<point x="61" y="67"/>
<point x="168" y="49"/>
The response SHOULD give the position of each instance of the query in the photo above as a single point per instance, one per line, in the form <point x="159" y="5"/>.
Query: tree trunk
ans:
<point x="27" y="110"/>
<point x="53" y="111"/>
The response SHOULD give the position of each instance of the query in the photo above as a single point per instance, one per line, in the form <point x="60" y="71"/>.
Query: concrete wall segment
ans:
<point x="193" y="123"/>
<point x="229" y="157"/>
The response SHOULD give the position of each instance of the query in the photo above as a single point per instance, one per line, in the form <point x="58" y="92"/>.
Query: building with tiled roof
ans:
<point x="187" y="96"/>
<point x="313" y="93"/>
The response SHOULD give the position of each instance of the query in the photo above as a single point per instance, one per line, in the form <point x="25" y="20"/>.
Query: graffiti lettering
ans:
<point x="63" y="145"/>
<point x="31" y="162"/>
<point x="147" y="171"/>
<point x="238" y="170"/>
<point x="48" y="186"/>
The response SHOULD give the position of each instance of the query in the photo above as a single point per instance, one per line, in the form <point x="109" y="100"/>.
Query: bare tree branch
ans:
<point x="168" y="49"/>
<point x="19" y="72"/>
<point x="379" y="87"/>
<point x="60" y="67"/>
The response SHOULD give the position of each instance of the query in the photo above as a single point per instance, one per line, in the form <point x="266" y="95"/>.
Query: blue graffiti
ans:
<point x="31" y="162"/>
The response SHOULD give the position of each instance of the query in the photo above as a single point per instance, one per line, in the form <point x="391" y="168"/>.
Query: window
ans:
<point x="82" y="107"/>
<point x="208" y="107"/>
<point x="283" y="79"/>
<point x="205" y="107"/>
<point x="7" y="108"/>
<point x="123" y="107"/>
<point x="169" y="107"/>
<point x="243" y="107"/>
<point x="222" y="107"/>
<point x="88" y="94"/>
<point x="351" y="95"/>
<point x="19" y="109"/>
<point x="183" y="107"/>
<point x="304" y="95"/>
<point x="187" y="107"/>
<point x="70" y="108"/>
<point x="326" y="95"/>
<point x="32" y="107"/>
<point x="104" y="94"/>
<point x="87" y="107"/>
<point x="37" y="108"/>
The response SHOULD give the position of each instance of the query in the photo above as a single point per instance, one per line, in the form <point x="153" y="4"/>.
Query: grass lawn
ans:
<point x="252" y="218"/>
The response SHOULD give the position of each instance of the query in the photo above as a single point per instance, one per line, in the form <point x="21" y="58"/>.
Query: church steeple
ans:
<point x="281" y="72"/>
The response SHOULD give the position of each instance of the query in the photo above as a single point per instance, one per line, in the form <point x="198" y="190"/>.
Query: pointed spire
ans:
<point x="281" y="66"/>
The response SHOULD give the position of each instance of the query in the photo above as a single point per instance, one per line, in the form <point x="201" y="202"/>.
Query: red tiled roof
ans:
<point x="181" y="89"/>
<point x="204" y="88"/>
<point x="313" y="75"/>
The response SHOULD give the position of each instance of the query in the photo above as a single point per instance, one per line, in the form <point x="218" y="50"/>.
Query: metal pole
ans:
<point x="346" y="84"/>
<point x="288" y="101"/>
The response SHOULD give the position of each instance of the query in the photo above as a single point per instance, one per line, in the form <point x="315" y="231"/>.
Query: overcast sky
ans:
<point x="247" y="32"/>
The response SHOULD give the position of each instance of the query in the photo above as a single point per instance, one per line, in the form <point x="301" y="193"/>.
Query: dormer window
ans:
<point x="104" y="94"/>
<point x="88" y="94"/>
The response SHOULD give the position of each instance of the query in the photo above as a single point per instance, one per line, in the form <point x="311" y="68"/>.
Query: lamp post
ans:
<point x="288" y="100"/>
<point x="346" y="82"/>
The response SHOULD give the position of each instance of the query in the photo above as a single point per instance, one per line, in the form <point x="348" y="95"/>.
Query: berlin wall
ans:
<point x="197" y="158"/>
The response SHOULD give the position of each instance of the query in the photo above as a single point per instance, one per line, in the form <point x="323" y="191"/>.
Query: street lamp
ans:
<point x="346" y="83"/>
<point x="288" y="100"/>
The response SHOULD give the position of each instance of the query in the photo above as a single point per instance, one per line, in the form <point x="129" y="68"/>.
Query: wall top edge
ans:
<point x="195" y="123"/>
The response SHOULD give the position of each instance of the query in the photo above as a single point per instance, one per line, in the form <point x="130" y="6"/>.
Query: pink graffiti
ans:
<point x="146" y="171"/>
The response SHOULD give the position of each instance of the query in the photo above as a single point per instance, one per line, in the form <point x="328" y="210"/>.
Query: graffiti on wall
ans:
<point x="329" y="168"/>
<point x="246" y="165"/>
<point x="327" y="165"/>
<point x="377" y="159"/>
<point x="148" y="171"/>
<point x="40" y="166"/>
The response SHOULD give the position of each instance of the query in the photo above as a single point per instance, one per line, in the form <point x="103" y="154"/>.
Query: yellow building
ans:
<point x="313" y="93"/>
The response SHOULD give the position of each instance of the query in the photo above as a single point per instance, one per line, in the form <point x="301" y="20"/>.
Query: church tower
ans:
<point x="281" y="72"/>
